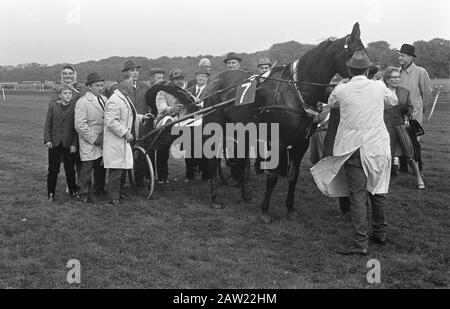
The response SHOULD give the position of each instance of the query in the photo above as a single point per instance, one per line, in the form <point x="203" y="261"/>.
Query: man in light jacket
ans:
<point x="89" y="112"/>
<point x="120" y="131"/>
<point x="361" y="161"/>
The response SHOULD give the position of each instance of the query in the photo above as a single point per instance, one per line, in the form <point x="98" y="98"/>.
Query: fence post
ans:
<point x="3" y="92"/>
<point x="434" y="105"/>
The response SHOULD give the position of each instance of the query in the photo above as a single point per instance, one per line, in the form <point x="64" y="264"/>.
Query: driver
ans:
<point x="169" y="109"/>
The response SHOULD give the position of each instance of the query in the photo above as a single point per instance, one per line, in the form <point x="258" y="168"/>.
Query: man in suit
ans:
<point x="233" y="61"/>
<point x="89" y="114"/>
<point x="417" y="81"/>
<point x="201" y="164"/>
<point x="204" y="63"/>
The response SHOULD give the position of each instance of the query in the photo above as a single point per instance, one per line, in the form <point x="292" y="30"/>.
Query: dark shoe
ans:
<point x="51" y="197"/>
<point x="75" y="196"/>
<point x="124" y="196"/>
<point x="353" y="251"/>
<point x="381" y="240"/>
<point x="188" y="179"/>
<point x="115" y="202"/>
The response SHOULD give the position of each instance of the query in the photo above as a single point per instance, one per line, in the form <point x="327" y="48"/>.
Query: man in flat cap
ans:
<point x="89" y="114"/>
<point x="233" y="61"/>
<point x="264" y="65"/>
<point x="417" y="81"/>
<point x="156" y="76"/>
<point x="361" y="163"/>
<point x="169" y="109"/>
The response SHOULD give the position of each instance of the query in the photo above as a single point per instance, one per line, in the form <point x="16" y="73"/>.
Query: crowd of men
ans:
<point x="93" y="129"/>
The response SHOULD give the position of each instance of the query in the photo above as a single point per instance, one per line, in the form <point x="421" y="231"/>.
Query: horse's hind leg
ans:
<point x="245" y="189"/>
<point x="295" y="157"/>
<point x="271" y="181"/>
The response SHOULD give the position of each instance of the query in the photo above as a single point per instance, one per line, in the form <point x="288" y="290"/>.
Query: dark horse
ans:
<point x="283" y="98"/>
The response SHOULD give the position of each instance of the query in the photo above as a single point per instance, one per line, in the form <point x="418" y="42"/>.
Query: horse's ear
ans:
<point x="356" y="32"/>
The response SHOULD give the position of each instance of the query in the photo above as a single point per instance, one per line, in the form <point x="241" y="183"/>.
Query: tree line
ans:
<point x="434" y="55"/>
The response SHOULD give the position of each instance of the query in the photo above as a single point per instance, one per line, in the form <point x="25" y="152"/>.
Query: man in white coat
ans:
<point x="89" y="112"/>
<point x="120" y="131"/>
<point x="361" y="161"/>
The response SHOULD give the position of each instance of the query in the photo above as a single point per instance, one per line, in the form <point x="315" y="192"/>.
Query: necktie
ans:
<point x="197" y="92"/>
<point x="102" y="104"/>
<point x="134" y="84"/>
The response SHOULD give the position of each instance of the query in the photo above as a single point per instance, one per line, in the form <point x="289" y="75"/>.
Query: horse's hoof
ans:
<point x="292" y="215"/>
<point x="264" y="218"/>
<point x="215" y="205"/>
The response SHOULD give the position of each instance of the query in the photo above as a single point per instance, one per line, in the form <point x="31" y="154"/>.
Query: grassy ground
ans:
<point x="176" y="241"/>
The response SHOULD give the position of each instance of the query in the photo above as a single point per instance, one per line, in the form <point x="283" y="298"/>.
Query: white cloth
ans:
<point x="89" y="125"/>
<point x="117" y="152"/>
<point x="361" y="104"/>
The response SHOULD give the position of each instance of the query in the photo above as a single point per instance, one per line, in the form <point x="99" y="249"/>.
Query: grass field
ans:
<point x="176" y="241"/>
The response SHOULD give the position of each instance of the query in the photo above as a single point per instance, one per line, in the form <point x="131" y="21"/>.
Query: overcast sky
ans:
<point x="59" y="31"/>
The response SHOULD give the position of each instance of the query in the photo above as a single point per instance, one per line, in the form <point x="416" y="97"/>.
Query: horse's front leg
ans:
<point x="215" y="200"/>
<point x="295" y="157"/>
<point x="271" y="182"/>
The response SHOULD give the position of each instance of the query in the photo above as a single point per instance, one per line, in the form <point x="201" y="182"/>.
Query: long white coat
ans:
<point x="89" y="125"/>
<point x="361" y="103"/>
<point x="117" y="152"/>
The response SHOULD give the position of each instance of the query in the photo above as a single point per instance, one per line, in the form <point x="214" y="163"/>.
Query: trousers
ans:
<point x="55" y="156"/>
<point x="86" y="176"/>
<point x="357" y="186"/>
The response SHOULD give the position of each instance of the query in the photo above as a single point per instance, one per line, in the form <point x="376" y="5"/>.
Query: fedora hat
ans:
<point x="264" y="61"/>
<point x="129" y="64"/>
<point x="408" y="49"/>
<point x="359" y="60"/>
<point x="202" y="70"/>
<point x="232" y="56"/>
<point x="176" y="73"/>
<point x="93" y="78"/>
<point x="157" y="71"/>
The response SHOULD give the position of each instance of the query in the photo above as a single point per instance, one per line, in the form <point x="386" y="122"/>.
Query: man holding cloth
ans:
<point x="121" y="129"/>
<point x="89" y="113"/>
<point x="361" y="163"/>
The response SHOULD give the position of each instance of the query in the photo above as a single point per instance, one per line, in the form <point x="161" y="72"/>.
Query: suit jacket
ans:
<point x="59" y="125"/>
<point x="89" y="116"/>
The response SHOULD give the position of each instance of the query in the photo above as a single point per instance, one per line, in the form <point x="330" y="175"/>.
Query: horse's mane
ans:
<point x="314" y="55"/>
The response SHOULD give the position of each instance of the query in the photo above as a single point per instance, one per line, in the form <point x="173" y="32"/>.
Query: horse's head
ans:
<point x="347" y="46"/>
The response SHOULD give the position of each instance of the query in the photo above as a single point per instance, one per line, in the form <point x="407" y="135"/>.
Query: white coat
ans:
<point x="361" y="104"/>
<point x="89" y="125"/>
<point x="117" y="152"/>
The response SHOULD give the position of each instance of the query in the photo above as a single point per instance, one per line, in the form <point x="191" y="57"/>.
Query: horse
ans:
<point x="288" y="96"/>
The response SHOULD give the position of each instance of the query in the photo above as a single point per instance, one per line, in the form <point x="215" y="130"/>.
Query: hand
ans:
<point x="49" y="145"/>
<point x="99" y="140"/>
<point x="148" y="116"/>
<point x="73" y="149"/>
<point x="129" y="137"/>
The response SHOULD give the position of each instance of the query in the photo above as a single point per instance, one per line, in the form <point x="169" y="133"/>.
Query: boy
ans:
<point x="62" y="142"/>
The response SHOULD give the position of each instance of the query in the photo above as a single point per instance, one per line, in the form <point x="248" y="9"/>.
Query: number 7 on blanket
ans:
<point x="245" y="93"/>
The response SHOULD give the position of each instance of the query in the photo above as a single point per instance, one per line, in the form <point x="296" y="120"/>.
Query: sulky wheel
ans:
<point x="149" y="174"/>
